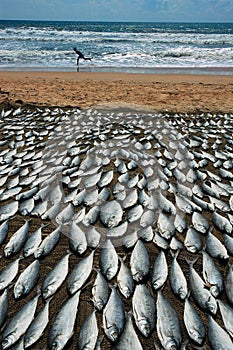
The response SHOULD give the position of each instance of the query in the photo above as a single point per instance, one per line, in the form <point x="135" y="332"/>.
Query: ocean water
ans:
<point x="130" y="47"/>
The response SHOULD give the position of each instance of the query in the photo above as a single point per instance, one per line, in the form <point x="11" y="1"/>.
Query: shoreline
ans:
<point x="215" y="71"/>
<point x="174" y="93"/>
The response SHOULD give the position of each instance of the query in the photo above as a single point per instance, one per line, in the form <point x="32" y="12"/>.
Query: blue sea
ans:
<point x="121" y="47"/>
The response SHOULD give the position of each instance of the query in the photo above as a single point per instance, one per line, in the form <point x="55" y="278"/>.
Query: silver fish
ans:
<point x="215" y="248"/>
<point x="143" y="310"/>
<point x="111" y="214"/>
<point x="4" y="227"/>
<point x="228" y="243"/>
<point x="92" y="216"/>
<point x="229" y="284"/>
<point x="100" y="291"/>
<point x="130" y="199"/>
<point x="106" y="178"/>
<point x="135" y="213"/>
<point x="8" y="210"/>
<point x="77" y="238"/>
<point x="27" y="280"/>
<point x="202" y="296"/>
<point x="65" y="215"/>
<point x="88" y="333"/>
<point x="221" y="223"/>
<point x="48" y="244"/>
<point x="165" y="226"/>
<point x="168" y="326"/>
<point x="80" y="273"/>
<point x="160" y="271"/>
<point x="108" y="260"/>
<point x="33" y="242"/>
<point x="113" y="316"/>
<point x="227" y="316"/>
<point x="17" y="240"/>
<point x="37" y="327"/>
<point x="212" y="275"/>
<point x="218" y="337"/>
<point x="139" y="262"/>
<point x="129" y="338"/>
<point x="192" y="241"/>
<point x="54" y="279"/>
<point x="93" y="237"/>
<point x="4" y="303"/>
<point x="63" y="325"/>
<point x="200" y="223"/>
<point x="177" y="278"/>
<point x="193" y="323"/>
<point x="125" y="280"/>
<point x="19" y="323"/>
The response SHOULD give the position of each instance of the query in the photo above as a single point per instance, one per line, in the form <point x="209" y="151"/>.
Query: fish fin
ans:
<point x="175" y="253"/>
<point x="122" y="259"/>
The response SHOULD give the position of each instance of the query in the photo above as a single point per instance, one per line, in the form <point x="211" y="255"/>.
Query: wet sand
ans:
<point x="168" y="92"/>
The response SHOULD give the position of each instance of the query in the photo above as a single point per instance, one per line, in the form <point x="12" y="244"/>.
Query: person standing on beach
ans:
<point x="80" y="55"/>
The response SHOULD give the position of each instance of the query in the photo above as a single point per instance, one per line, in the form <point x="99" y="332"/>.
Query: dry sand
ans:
<point x="172" y="93"/>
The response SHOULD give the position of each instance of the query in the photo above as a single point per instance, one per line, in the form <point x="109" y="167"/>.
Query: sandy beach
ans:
<point x="169" y="92"/>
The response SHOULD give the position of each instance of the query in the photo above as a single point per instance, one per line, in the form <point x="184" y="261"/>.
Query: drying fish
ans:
<point x="129" y="338"/>
<point x="228" y="243"/>
<point x="215" y="248"/>
<point x="139" y="262"/>
<point x="37" y="327"/>
<point x="88" y="333"/>
<point x="63" y="326"/>
<point x="65" y="215"/>
<point x="19" y="323"/>
<point x="48" y="244"/>
<point x="160" y="271"/>
<point x="91" y="197"/>
<point x="108" y="260"/>
<point x="166" y="205"/>
<point x="227" y="316"/>
<point x="92" y="216"/>
<point x="80" y="273"/>
<point x="8" y="210"/>
<point x="202" y="296"/>
<point x="135" y="213"/>
<point x="4" y="303"/>
<point x="33" y="242"/>
<point x="111" y="214"/>
<point x="113" y="316"/>
<point x="221" y="223"/>
<point x="177" y="278"/>
<point x="27" y="280"/>
<point x="180" y="223"/>
<point x="229" y="283"/>
<point x="165" y="226"/>
<point x="100" y="291"/>
<point x="4" y="227"/>
<point x="17" y="240"/>
<point x="200" y="223"/>
<point x="54" y="279"/>
<point x="143" y="310"/>
<point x="168" y="325"/>
<point x="125" y="280"/>
<point x="218" y="337"/>
<point x="77" y="239"/>
<point x="192" y="241"/>
<point x="212" y="275"/>
<point x="106" y="178"/>
<point x="193" y="323"/>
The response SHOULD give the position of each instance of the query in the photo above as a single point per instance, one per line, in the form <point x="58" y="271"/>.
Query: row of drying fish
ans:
<point x="117" y="326"/>
<point x="108" y="179"/>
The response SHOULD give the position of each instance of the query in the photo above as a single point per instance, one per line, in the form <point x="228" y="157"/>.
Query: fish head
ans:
<point x="170" y="344"/>
<point x="110" y="273"/>
<point x="138" y="276"/>
<point x="113" y="333"/>
<point x="197" y="336"/>
<point x="211" y="305"/>
<point x="19" y="290"/>
<point x="48" y="291"/>
<point x="8" y="251"/>
<point x="8" y="341"/>
<point x="145" y="328"/>
<point x="126" y="292"/>
<point x="38" y="253"/>
<point x="81" y="249"/>
<point x="59" y="343"/>
<point x="182" y="293"/>
<point x="99" y="305"/>
<point x="214" y="290"/>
